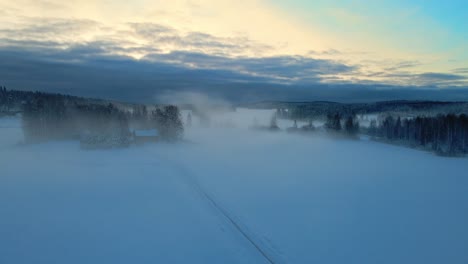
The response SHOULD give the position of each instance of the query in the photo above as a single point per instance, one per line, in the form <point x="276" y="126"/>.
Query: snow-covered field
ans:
<point x="231" y="195"/>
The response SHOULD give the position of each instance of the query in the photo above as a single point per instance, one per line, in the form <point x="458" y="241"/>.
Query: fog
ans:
<point x="229" y="194"/>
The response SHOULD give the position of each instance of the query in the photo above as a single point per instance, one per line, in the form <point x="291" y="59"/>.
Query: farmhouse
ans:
<point x="145" y="136"/>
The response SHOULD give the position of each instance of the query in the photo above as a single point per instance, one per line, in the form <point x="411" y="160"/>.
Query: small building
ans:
<point x="145" y="136"/>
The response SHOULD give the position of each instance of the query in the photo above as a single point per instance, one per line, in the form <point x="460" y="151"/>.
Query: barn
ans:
<point x="145" y="136"/>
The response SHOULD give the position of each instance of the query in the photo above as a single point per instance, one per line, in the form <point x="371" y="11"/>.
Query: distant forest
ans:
<point x="98" y="123"/>
<point x="433" y="126"/>
<point x="320" y="109"/>
<point x="441" y="127"/>
<point x="446" y="135"/>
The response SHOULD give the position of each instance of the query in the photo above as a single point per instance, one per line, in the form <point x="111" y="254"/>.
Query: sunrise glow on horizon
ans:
<point x="421" y="43"/>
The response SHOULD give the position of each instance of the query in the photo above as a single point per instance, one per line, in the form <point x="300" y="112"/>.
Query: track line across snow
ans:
<point x="237" y="226"/>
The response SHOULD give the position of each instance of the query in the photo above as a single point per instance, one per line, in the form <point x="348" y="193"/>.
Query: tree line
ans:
<point x="47" y="116"/>
<point x="350" y="126"/>
<point x="444" y="134"/>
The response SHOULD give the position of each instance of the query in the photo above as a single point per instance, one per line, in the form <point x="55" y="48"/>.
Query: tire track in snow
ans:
<point x="237" y="226"/>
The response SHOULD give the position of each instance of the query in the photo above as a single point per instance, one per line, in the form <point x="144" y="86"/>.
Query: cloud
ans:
<point x="254" y="28"/>
<point x="137" y="39"/>
<point x="173" y="39"/>
<point x="460" y="70"/>
<point x="49" y="29"/>
<point x="214" y="18"/>
<point x="194" y="50"/>
<point x="330" y="52"/>
<point x="149" y="80"/>
<point x="403" y="65"/>
<point x="434" y="79"/>
<point x="202" y="48"/>
<point x="279" y="68"/>
<point x="427" y="79"/>
<point x="440" y="77"/>
<point x="204" y="60"/>
<point x="204" y="51"/>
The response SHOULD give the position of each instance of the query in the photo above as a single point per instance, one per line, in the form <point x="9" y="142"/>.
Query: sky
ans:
<point x="403" y="44"/>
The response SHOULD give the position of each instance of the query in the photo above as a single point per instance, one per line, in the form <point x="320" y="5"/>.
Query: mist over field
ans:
<point x="227" y="131"/>
<point x="230" y="194"/>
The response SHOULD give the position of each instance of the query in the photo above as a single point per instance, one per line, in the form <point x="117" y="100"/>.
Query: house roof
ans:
<point x="147" y="133"/>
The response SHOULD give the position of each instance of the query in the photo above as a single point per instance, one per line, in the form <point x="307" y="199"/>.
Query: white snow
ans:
<point x="231" y="195"/>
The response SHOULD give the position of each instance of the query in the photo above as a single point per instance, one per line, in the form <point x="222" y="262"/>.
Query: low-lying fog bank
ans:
<point x="230" y="195"/>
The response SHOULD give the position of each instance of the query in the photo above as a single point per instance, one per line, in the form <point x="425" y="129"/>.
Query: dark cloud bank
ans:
<point x="85" y="71"/>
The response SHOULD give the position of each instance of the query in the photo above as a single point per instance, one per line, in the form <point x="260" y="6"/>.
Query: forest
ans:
<point x="96" y="123"/>
<point x="445" y="135"/>
<point x="320" y="109"/>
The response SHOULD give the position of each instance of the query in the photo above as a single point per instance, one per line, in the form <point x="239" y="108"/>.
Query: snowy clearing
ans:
<point x="231" y="195"/>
